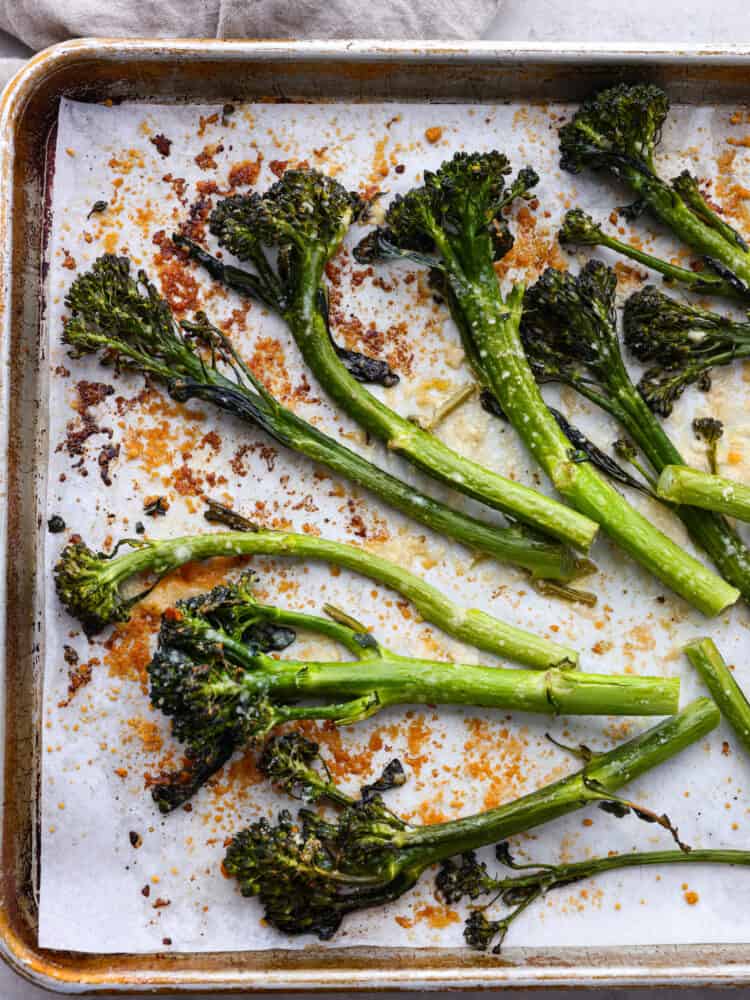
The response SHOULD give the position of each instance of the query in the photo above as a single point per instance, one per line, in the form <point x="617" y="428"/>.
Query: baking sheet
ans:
<point x="100" y="747"/>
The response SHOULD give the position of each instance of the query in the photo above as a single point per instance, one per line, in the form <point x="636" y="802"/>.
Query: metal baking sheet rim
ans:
<point x="309" y="969"/>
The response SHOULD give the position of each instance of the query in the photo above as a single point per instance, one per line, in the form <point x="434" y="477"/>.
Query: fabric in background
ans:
<point x="39" y="23"/>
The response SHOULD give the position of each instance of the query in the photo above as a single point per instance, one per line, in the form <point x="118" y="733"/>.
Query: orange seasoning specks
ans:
<point x="496" y="759"/>
<point x="437" y="916"/>
<point x="245" y="173"/>
<point x="148" y="732"/>
<point x="691" y="897"/>
<point x="534" y="250"/>
<point x="129" y="648"/>
<point x="380" y="168"/>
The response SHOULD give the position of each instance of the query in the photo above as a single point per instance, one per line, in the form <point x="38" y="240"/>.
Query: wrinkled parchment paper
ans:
<point x="117" y="876"/>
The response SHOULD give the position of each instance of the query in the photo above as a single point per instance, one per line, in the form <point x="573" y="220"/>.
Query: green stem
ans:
<point x="610" y="771"/>
<point x="424" y="450"/>
<point x="576" y="871"/>
<point x="398" y="680"/>
<point x="683" y="485"/>
<point x="724" y="689"/>
<point x="468" y="625"/>
<point x="360" y="643"/>
<point x="708" y="530"/>
<point x="494" y="326"/>
<point x="701" y="282"/>
<point x="709" y="240"/>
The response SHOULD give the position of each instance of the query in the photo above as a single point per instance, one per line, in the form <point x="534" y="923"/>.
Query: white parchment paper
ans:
<point x="101" y="742"/>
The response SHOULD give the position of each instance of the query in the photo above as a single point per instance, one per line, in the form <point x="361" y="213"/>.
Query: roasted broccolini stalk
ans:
<point x="470" y="879"/>
<point x="211" y="673"/>
<point x="683" y="485"/>
<point x="88" y="584"/>
<point x="304" y="217"/>
<point x="570" y="336"/>
<point x="618" y="130"/>
<point x="455" y="224"/>
<point x="310" y="871"/>
<point x="124" y="319"/>
<point x="725" y="690"/>
<point x="681" y="344"/>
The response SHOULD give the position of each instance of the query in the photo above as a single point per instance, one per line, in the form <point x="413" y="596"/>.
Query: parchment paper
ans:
<point x="117" y="876"/>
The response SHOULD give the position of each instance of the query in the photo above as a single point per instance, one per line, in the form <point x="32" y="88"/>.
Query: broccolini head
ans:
<point x="579" y="229"/>
<point x="288" y="761"/>
<point x="683" y="343"/>
<point x="209" y="698"/>
<point x="708" y="429"/>
<point x="661" y="328"/>
<point x="88" y="585"/>
<point x="125" y="319"/>
<point x="232" y="608"/>
<point x="465" y="878"/>
<point x="569" y="329"/>
<point x="308" y="873"/>
<point x="304" y="209"/>
<point x="459" y="203"/>
<point x="618" y="126"/>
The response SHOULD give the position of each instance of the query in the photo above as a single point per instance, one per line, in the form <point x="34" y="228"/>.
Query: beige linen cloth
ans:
<point x="38" y="23"/>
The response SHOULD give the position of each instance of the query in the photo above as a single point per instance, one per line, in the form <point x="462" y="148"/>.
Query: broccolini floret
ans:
<point x="211" y="674"/>
<point x="309" y="872"/>
<point x="681" y="343"/>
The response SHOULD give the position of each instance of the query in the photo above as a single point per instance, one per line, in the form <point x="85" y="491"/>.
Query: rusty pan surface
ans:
<point x="206" y="71"/>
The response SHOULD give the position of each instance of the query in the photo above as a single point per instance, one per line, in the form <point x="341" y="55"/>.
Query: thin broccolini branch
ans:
<point x="305" y="216"/>
<point x="579" y="229"/>
<point x="124" y="319"/>
<point x="455" y="215"/>
<point x="470" y="879"/>
<point x="89" y="583"/>
<point x="618" y="130"/>
<point x="309" y="872"/>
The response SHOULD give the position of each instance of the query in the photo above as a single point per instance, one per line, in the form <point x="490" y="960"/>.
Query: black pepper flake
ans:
<point x="70" y="656"/>
<point x="97" y="208"/>
<point x="140" y="528"/>
<point x="56" y="524"/>
<point x="146" y="891"/>
<point x="135" y="840"/>
<point x="399" y="168"/>
<point x="166" y="941"/>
